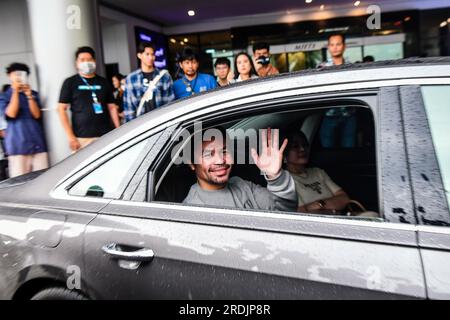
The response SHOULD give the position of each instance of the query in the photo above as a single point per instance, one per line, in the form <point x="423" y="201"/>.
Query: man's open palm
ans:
<point x="271" y="157"/>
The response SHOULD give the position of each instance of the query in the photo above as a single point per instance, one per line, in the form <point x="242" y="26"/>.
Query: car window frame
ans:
<point x="357" y="229"/>
<point x="62" y="190"/>
<point x="431" y="208"/>
<point x="310" y="101"/>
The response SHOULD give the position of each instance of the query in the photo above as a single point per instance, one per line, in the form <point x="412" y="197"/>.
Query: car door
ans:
<point x="137" y="249"/>
<point x="427" y="122"/>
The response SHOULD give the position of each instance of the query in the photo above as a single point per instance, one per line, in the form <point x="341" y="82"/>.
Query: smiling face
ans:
<point x="243" y="64"/>
<point x="212" y="165"/>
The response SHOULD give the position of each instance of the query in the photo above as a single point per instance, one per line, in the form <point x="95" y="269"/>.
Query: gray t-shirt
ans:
<point x="279" y="195"/>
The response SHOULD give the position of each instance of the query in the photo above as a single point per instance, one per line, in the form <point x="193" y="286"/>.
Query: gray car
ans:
<point x="108" y="222"/>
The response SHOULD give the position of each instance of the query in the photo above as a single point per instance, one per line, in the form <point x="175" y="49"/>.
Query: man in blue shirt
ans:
<point x="192" y="81"/>
<point x="24" y="139"/>
<point x="138" y="82"/>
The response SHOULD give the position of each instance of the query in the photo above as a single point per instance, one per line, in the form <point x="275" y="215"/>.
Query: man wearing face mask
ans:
<point x="91" y="102"/>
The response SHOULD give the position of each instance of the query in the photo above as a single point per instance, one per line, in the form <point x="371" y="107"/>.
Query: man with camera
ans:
<point x="261" y="56"/>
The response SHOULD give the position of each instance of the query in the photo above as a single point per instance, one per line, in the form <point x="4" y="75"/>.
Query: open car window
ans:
<point x="352" y="169"/>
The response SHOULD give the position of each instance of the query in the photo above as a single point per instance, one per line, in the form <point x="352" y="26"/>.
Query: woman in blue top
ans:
<point x="24" y="138"/>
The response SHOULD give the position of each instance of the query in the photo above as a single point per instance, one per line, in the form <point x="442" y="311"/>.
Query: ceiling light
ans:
<point x="322" y="7"/>
<point x="173" y="40"/>
<point x="182" y="43"/>
<point x="407" y="19"/>
<point x="191" y="13"/>
<point x="443" y="24"/>
<point x="357" y="3"/>
<point x="308" y="1"/>
<point x="186" y="40"/>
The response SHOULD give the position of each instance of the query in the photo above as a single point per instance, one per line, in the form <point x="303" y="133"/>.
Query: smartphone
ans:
<point x="21" y="76"/>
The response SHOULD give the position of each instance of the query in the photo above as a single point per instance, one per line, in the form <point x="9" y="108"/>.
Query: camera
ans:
<point x="263" y="60"/>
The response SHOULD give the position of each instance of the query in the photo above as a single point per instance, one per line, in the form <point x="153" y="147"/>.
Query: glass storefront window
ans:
<point x="391" y="51"/>
<point x="297" y="61"/>
<point x="279" y="61"/>
<point x="304" y="60"/>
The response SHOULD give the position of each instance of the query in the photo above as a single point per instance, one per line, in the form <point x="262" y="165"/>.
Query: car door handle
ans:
<point x="116" y="252"/>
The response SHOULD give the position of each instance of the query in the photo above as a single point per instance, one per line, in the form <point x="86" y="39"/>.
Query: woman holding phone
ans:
<point x="24" y="139"/>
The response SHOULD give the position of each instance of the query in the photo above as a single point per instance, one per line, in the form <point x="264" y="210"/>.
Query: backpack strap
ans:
<point x="148" y="95"/>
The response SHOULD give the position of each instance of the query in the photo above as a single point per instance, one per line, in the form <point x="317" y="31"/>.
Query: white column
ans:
<point x="58" y="28"/>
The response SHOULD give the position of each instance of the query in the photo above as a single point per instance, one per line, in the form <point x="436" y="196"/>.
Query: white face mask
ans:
<point x="87" y="67"/>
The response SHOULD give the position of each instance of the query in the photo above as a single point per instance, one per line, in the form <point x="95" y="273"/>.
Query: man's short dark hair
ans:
<point x="118" y="76"/>
<point x="144" y="45"/>
<point x="222" y="60"/>
<point x="260" y="46"/>
<point x="86" y="49"/>
<point x="339" y="35"/>
<point x="17" y="66"/>
<point x="368" y="59"/>
<point x="188" y="54"/>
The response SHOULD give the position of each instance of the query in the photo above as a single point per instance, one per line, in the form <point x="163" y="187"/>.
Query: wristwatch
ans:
<point x="321" y="204"/>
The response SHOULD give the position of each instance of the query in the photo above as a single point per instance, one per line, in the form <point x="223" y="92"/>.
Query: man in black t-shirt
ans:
<point x="91" y="102"/>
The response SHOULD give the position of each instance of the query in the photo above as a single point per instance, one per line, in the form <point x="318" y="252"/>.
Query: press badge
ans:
<point x="98" y="109"/>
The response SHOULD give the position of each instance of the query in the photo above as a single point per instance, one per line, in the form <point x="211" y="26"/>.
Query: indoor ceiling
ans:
<point x="174" y="12"/>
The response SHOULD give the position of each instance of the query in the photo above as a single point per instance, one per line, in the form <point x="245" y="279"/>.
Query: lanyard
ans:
<point x="189" y="87"/>
<point x="91" y="88"/>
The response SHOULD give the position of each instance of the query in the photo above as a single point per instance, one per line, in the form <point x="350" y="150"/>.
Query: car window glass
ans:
<point x="353" y="171"/>
<point x="106" y="180"/>
<point x="436" y="99"/>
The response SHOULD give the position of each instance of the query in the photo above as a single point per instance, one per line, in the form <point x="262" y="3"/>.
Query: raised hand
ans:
<point x="270" y="159"/>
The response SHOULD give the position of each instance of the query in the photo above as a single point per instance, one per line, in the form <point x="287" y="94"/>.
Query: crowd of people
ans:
<point x="97" y="108"/>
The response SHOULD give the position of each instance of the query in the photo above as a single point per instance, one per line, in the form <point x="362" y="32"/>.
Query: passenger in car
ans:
<point x="212" y="166"/>
<point x="317" y="193"/>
